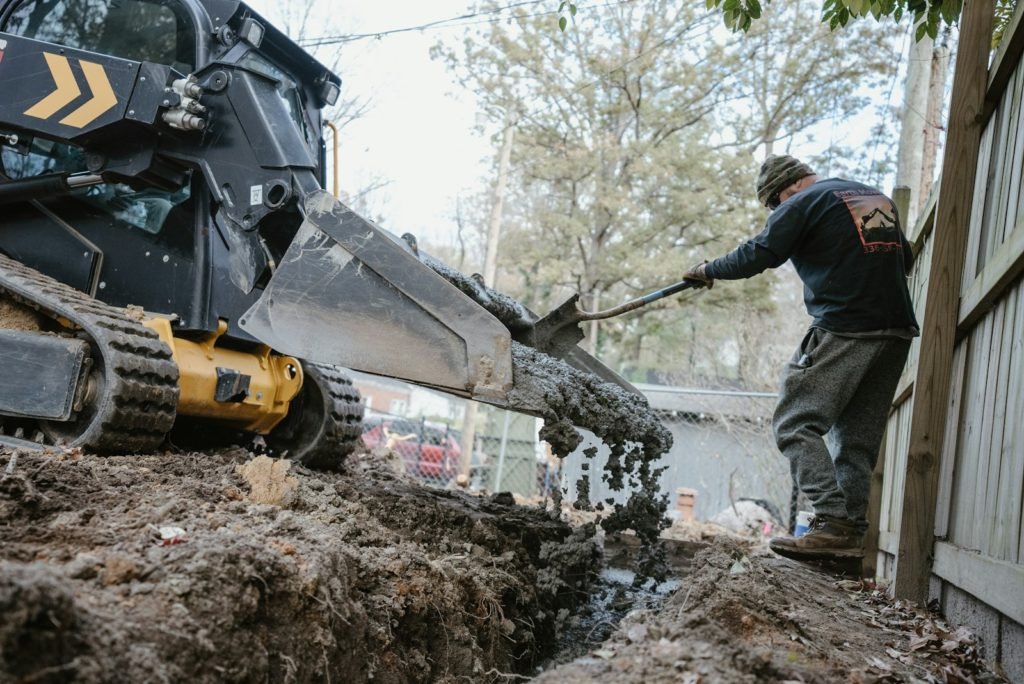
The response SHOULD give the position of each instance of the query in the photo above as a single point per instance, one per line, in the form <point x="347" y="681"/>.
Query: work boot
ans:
<point x="827" y="538"/>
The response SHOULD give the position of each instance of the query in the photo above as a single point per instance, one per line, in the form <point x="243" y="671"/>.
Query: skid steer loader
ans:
<point x="168" y="253"/>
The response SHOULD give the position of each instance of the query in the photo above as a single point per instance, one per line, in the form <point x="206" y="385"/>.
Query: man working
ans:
<point x="845" y="241"/>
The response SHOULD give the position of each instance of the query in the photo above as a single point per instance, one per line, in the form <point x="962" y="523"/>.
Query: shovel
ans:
<point x="558" y="332"/>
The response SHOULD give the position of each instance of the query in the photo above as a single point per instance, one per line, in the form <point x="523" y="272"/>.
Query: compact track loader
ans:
<point x="168" y="255"/>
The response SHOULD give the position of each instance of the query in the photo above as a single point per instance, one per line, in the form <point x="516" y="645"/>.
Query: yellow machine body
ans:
<point x="272" y="381"/>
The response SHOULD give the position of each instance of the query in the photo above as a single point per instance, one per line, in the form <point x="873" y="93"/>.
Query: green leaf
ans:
<point x="950" y="10"/>
<point x="711" y="4"/>
<point x="572" y="10"/>
<point x="562" y="23"/>
<point x="922" y="29"/>
<point x="561" y="6"/>
<point x="933" y="30"/>
<point x="898" y="13"/>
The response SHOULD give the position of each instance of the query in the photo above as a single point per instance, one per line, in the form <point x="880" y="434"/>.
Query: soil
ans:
<point x="746" y="615"/>
<point x="16" y="317"/>
<point x="226" y="566"/>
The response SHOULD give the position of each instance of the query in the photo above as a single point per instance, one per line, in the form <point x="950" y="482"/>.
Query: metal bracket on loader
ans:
<point x="41" y="374"/>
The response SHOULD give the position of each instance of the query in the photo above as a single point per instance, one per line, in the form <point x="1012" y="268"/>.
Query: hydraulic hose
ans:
<point x="43" y="187"/>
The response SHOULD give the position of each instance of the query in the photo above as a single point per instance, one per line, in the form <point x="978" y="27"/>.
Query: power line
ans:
<point x="438" y="23"/>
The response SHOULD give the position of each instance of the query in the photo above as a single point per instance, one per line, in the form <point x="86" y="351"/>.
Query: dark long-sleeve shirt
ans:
<point x="845" y="241"/>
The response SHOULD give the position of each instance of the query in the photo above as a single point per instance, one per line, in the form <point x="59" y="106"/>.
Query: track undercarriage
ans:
<point x="80" y="373"/>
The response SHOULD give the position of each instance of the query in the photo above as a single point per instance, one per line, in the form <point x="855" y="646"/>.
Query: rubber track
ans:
<point x="140" y="396"/>
<point x="344" y="427"/>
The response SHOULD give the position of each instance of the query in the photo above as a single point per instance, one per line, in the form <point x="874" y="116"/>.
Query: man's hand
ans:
<point x="697" y="273"/>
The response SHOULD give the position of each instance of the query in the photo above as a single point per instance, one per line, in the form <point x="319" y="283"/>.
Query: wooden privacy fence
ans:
<point x="951" y="502"/>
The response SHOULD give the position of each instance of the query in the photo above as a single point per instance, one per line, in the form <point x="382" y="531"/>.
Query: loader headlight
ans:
<point x="329" y="92"/>
<point x="252" y="32"/>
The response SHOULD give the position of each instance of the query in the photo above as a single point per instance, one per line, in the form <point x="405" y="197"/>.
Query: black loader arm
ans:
<point x="112" y="108"/>
<point x="147" y="125"/>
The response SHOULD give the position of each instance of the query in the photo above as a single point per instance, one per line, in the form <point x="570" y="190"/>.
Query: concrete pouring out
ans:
<point x="624" y="422"/>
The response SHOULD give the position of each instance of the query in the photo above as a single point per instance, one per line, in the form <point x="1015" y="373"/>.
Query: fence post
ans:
<point x="501" y="451"/>
<point x="935" y="361"/>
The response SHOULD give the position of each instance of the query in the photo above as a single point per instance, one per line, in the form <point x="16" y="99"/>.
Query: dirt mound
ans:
<point x="746" y="615"/>
<point x="165" y="568"/>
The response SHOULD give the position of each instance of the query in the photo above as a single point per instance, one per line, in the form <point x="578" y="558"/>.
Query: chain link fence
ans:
<point x="723" y="452"/>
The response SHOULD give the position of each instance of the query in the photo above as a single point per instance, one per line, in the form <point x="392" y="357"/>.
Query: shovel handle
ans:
<point x="640" y="301"/>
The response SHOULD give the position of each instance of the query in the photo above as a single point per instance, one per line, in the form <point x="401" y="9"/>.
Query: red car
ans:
<point x="431" y="451"/>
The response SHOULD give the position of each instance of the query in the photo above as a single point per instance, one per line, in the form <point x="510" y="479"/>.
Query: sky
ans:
<point x="419" y="133"/>
<point x="419" y="130"/>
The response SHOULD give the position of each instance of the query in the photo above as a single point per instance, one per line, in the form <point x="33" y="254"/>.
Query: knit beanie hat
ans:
<point x="778" y="172"/>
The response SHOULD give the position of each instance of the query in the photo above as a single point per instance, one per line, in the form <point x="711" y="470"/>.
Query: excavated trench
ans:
<point x="222" y="566"/>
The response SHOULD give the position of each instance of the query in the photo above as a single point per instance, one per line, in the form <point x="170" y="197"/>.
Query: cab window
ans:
<point x="139" y="30"/>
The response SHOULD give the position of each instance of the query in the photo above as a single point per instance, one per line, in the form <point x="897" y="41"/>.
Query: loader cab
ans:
<point x="153" y="31"/>
<point x="133" y="244"/>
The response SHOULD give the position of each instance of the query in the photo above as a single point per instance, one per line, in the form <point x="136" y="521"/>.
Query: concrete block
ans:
<point x="963" y="610"/>
<point x="1011" y="649"/>
<point x="935" y="589"/>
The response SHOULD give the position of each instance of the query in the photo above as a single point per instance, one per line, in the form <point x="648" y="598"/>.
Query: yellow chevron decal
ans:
<point x="67" y="88"/>
<point x="103" y="97"/>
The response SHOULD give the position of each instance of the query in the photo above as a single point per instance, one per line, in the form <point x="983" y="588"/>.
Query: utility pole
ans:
<point x="490" y="275"/>
<point x="933" y="115"/>
<point x="921" y="122"/>
<point x="910" y="156"/>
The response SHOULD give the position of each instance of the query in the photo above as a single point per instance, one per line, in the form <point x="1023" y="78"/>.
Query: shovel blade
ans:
<point x="557" y="333"/>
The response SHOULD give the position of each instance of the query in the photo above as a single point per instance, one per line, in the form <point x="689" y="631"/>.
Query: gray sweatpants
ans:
<point x="841" y="387"/>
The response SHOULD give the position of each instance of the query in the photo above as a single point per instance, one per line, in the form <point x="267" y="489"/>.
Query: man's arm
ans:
<point x="745" y="261"/>
<point x="770" y="249"/>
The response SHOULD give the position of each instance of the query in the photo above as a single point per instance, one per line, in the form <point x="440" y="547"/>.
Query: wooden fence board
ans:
<point x="888" y="449"/>
<point x="906" y="413"/>
<point x="1005" y="266"/>
<point x="1004" y="537"/>
<point x="1017" y="159"/>
<point x="997" y="583"/>
<point x="963" y="531"/>
<point x="895" y="467"/>
<point x="995" y="191"/>
<point x="950" y="443"/>
<point x="1011" y="106"/>
<point x="974" y="227"/>
<point x="991" y="430"/>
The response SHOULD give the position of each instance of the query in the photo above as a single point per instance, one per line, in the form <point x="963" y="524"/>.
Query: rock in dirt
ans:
<point x="269" y="481"/>
<point x="365" y="577"/>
